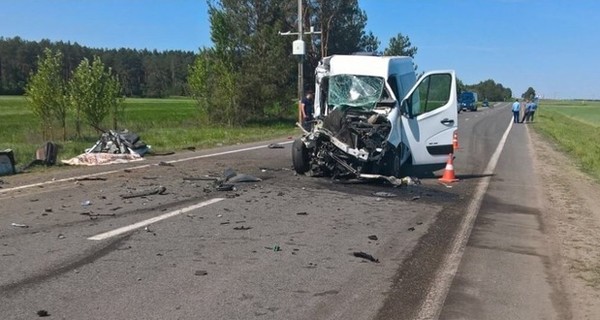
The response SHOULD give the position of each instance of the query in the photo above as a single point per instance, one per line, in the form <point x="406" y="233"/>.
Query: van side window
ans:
<point x="432" y="93"/>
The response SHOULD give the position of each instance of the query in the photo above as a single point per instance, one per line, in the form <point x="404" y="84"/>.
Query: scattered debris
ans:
<point x="419" y="223"/>
<point x="61" y="236"/>
<point x="143" y="193"/>
<point x="415" y="198"/>
<point x="411" y="229"/>
<point x="147" y="229"/>
<point x="242" y="228"/>
<point x="115" y="208"/>
<point x="226" y="222"/>
<point x="112" y="147"/>
<point x="7" y="162"/>
<point x="168" y="153"/>
<point x="373" y="237"/>
<point x="205" y="178"/>
<point x="275" y="248"/>
<point x="96" y="215"/>
<point x="19" y="225"/>
<point x="225" y="187"/>
<point x="48" y="210"/>
<point x="43" y="313"/>
<point x="150" y="178"/>
<point x="200" y="273"/>
<point x="165" y="164"/>
<point x="240" y="177"/>
<point x="365" y="256"/>
<point x="275" y="146"/>
<point x="384" y="194"/>
<point x="303" y="213"/>
<point x="86" y="203"/>
<point x="91" y="179"/>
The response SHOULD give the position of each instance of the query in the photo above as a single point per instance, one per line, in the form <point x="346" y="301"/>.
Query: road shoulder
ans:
<point x="570" y="201"/>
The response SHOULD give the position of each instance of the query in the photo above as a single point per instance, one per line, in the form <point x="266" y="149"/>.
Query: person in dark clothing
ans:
<point x="307" y="107"/>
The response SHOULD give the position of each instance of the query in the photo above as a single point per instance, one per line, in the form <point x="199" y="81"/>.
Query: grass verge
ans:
<point x="165" y="124"/>
<point x="575" y="128"/>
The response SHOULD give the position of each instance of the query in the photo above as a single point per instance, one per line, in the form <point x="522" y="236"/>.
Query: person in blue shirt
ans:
<point x="307" y="107"/>
<point x="516" y="109"/>
<point x="527" y="110"/>
<point x="532" y="109"/>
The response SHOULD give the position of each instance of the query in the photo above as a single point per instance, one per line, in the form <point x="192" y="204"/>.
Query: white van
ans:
<point x="374" y="116"/>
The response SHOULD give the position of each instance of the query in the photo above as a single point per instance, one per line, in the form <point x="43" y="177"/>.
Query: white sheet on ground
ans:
<point x="96" y="159"/>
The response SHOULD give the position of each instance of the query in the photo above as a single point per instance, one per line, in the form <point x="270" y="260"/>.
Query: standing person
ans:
<point x="516" y="109"/>
<point x="527" y="110"/>
<point x="532" y="111"/>
<point x="307" y="107"/>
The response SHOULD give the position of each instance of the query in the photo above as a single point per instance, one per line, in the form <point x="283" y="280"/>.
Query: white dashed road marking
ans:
<point x="150" y="221"/>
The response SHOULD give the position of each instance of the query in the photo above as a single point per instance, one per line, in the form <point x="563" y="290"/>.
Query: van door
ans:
<point x="430" y="117"/>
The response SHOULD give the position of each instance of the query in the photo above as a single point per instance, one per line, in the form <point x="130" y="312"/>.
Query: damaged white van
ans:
<point x="374" y="118"/>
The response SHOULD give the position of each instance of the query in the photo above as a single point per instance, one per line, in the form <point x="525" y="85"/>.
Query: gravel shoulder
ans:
<point x="571" y="215"/>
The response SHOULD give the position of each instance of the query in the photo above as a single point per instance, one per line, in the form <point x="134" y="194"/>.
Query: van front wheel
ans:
<point x="300" y="158"/>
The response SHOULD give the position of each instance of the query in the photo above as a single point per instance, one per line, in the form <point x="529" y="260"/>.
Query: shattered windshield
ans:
<point x="355" y="91"/>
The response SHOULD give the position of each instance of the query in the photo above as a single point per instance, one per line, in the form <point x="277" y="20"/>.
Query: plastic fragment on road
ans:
<point x="19" y="225"/>
<point x="372" y="237"/>
<point x="365" y="256"/>
<point x="384" y="194"/>
<point x="200" y="273"/>
<point x="275" y="146"/>
<point x="241" y="177"/>
<point x="157" y="190"/>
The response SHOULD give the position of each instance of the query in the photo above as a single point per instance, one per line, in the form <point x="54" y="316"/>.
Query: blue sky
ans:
<point x="551" y="45"/>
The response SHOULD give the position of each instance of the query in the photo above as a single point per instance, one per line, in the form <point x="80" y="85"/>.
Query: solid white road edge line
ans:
<point x="27" y="186"/>
<point x="150" y="221"/>
<point x="433" y="303"/>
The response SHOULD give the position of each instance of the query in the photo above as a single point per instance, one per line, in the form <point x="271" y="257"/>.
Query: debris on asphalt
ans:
<point x="86" y="203"/>
<point x="226" y="222"/>
<point x="96" y="215"/>
<point x="373" y="237"/>
<point x="240" y="177"/>
<point x="275" y="248"/>
<point x="43" y="313"/>
<point x="200" y="273"/>
<point x="303" y="213"/>
<point x="242" y="228"/>
<point x="415" y="198"/>
<point x="150" y="178"/>
<point x="204" y="178"/>
<point x="19" y="225"/>
<point x="275" y="146"/>
<point x="147" y="229"/>
<point x="225" y="187"/>
<point x="384" y="194"/>
<point x="48" y="210"/>
<point x="61" y="236"/>
<point x="419" y="223"/>
<point x="365" y="256"/>
<point x="91" y="179"/>
<point x="143" y="193"/>
<point x="411" y="229"/>
<point x="165" y="164"/>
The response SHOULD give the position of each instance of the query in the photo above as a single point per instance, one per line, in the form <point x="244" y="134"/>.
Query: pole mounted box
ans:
<point x="298" y="47"/>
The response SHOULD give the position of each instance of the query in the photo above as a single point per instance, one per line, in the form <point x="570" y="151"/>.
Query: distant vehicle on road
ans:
<point x="468" y="101"/>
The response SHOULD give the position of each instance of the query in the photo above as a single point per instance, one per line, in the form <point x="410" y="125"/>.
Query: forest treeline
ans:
<point x="142" y="73"/>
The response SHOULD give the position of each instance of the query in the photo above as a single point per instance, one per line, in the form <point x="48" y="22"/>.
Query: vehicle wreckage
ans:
<point x="374" y="119"/>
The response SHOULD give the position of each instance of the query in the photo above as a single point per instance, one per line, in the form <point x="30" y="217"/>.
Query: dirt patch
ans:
<point x="570" y="212"/>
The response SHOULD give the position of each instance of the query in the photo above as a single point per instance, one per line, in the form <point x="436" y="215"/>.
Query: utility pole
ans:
<point x="298" y="49"/>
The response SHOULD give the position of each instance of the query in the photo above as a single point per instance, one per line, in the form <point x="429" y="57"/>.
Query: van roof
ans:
<point x="380" y="66"/>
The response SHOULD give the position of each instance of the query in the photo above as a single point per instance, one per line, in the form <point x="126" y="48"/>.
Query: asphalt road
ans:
<point x="214" y="253"/>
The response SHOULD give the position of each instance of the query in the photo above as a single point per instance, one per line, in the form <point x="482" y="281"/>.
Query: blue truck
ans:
<point x="467" y="101"/>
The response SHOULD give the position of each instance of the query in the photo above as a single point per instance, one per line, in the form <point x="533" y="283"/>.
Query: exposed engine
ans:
<point x="349" y="142"/>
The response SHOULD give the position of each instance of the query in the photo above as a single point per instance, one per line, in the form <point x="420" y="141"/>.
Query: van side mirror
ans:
<point x="404" y="108"/>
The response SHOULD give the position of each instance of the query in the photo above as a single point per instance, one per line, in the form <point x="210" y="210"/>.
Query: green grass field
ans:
<point x="165" y="124"/>
<point x="575" y="127"/>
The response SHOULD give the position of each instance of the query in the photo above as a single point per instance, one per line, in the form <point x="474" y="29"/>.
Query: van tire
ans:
<point x="300" y="158"/>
